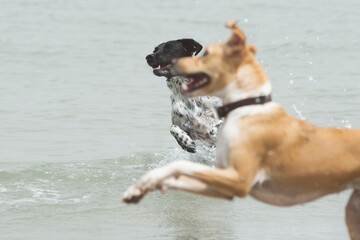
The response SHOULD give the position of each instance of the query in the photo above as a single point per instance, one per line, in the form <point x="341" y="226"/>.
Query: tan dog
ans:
<point x="261" y="150"/>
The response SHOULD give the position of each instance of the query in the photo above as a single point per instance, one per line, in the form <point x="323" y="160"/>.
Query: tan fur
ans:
<point x="268" y="154"/>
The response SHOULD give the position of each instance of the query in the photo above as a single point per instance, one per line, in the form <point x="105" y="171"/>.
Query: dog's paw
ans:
<point x="133" y="194"/>
<point x="215" y="129"/>
<point x="183" y="139"/>
<point x="151" y="181"/>
<point x="191" y="148"/>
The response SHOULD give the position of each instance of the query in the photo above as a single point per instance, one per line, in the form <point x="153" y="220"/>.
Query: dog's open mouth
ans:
<point x="162" y="70"/>
<point x="197" y="80"/>
<point x="162" y="67"/>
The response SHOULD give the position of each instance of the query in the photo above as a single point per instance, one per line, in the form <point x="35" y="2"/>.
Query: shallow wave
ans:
<point x="85" y="184"/>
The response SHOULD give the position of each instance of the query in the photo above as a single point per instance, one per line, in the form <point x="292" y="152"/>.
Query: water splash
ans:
<point x="203" y="154"/>
<point x="346" y="123"/>
<point x="298" y="112"/>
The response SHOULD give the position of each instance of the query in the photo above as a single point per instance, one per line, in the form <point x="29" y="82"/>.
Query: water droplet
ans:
<point x="298" y="112"/>
<point x="246" y="20"/>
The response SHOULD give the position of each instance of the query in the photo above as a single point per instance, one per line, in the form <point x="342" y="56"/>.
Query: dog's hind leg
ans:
<point x="353" y="215"/>
<point x="183" y="139"/>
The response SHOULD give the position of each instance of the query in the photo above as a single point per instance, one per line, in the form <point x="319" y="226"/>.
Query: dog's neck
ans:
<point x="225" y="109"/>
<point x="232" y="93"/>
<point x="250" y="81"/>
<point x="174" y="84"/>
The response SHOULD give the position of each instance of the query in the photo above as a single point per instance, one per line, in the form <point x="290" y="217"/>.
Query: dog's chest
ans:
<point x="192" y="116"/>
<point x="188" y="112"/>
<point x="228" y="131"/>
<point x="231" y="129"/>
<point x="183" y="108"/>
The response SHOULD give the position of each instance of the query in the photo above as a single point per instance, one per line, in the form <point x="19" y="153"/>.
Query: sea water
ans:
<point x="82" y="116"/>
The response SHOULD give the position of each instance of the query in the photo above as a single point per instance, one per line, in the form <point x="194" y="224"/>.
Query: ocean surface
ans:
<point x="82" y="116"/>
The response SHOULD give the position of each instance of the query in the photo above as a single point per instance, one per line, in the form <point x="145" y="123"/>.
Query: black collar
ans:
<point x="225" y="109"/>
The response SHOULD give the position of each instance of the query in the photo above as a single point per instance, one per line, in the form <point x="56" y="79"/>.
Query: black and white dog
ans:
<point x="192" y="119"/>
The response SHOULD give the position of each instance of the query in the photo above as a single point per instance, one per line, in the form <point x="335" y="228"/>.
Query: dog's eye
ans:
<point x="205" y="53"/>
<point x="156" y="49"/>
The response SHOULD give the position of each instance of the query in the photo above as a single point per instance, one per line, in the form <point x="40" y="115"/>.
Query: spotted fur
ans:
<point x="192" y="118"/>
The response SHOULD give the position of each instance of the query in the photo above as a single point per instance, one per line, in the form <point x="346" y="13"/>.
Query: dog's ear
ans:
<point x="191" y="46"/>
<point x="253" y="49"/>
<point x="238" y="38"/>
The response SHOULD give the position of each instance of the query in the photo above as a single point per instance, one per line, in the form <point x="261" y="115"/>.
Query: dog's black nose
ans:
<point x="150" y="58"/>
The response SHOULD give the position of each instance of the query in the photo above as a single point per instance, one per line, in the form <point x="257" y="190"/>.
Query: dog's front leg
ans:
<point x="226" y="183"/>
<point x="183" y="139"/>
<point x="214" y="130"/>
<point x="153" y="179"/>
<point x="188" y="184"/>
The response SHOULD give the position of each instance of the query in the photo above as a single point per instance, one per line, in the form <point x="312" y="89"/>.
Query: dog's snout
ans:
<point x="150" y="58"/>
